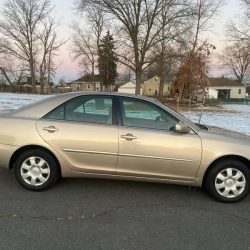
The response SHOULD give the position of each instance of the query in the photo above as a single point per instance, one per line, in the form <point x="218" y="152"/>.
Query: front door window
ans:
<point x="142" y="114"/>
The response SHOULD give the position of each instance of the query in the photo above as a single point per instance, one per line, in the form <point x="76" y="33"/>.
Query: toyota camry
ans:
<point x="121" y="136"/>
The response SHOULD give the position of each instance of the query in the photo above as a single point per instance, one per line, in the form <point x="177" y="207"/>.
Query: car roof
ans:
<point x="80" y="93"/>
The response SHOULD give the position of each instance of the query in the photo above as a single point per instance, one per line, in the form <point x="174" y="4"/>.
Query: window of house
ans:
<point x="143" y="114"/>
<point x="88" y="86"/>
<point x="239" y="91"/>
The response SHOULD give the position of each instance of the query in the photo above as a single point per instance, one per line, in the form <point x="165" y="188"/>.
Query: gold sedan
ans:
<point x="119" y="136"/>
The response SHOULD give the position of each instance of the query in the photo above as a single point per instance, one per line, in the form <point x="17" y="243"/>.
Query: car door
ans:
<point x="84" y="132"/>
<point x="149" y="146"/>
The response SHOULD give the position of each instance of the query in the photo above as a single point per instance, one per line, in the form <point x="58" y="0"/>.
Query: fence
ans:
<point x="28" y="89"/>
<point x="245" y="101"/>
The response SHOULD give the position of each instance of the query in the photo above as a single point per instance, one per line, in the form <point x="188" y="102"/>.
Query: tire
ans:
<point x="36" y="170"/>
<point x="228" y="181"/>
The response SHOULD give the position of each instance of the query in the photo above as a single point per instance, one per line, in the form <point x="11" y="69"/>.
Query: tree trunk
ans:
<point x="161" y="87"/>
<point x="189" y="106"/>
<point x="138" y="75"/>
<point x="7" y="78"/>
<point x="41" y="79"/>
<point x="162" y="73"/>
<point x="202" y="107"/>
<point x="33" y="77"/>
<point x="49" y="71"/>
<point x="92" y="68"/>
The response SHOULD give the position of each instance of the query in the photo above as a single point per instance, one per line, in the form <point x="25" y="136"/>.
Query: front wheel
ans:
<point x="228" y="181"/>
<point x="36" y="170"/>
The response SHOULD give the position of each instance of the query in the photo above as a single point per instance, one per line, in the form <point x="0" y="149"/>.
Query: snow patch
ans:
<point x="231" y="116"/>
<point x="9" y="101"/>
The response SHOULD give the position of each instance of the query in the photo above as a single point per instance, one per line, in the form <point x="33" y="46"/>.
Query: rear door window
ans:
<point x="91" y="109"/>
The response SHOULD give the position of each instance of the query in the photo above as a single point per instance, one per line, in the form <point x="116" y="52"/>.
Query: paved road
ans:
<point x="103" y="214"/>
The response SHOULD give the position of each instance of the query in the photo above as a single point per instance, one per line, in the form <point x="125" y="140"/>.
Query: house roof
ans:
<point x="88" y="79"/>
<point x="223" y="82"/>
<point x="127" y="85"/>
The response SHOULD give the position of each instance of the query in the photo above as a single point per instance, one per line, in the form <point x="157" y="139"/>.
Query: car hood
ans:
<point x="227" y="132"/>
<point x="219" y="142"/>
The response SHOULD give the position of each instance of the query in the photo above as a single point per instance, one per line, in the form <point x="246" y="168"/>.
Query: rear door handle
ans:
<point x="128" y="137"/>
<point x="51" y="129"/>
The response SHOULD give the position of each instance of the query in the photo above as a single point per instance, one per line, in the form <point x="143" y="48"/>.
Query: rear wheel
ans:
<point x="228" y="181"/>
<point x="36" y="170"/>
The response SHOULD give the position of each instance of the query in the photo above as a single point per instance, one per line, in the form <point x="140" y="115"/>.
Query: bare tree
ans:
<point x="3" y="44"/>
<point x="204" y="12"/>
<point x="247" y="3"/>
<point x="3" y="71"/>
<point x="86" y="40"/>
<point x="172" y="42"/>
<point x="187" y="80"/>
<point x="84" y="49"/>
<point x="2" y="57"/>
<point x="10" y="69"/>
<point x="21" y="19"/>
<point x="236" y="54"/>
<point x="236" y="59"/>
<point x="239" y="28"/>
<point x="49" y="46"/>
<point x="12" y="74"/>
<point x="137" y="20"/>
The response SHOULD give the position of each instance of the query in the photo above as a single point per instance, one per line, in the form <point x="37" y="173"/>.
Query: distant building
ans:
<point x="27" y="83"/>
<point x="225" y="89"/>
<point x="248" y="91"/>
<point x="152" y="85"/>
<point x="86" y="83"/>
<point x="128" y="87"/>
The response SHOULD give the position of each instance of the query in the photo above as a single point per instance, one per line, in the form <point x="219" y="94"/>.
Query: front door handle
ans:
<point x="51" y="129"/>
<point x="128" y="137"/>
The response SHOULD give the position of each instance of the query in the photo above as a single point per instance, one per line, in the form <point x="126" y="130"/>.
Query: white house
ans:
<point x="212" y="93"/>
<point x="86" y="83"/>
<point x="225" y="89"/>
<point x="128" y="88"/>
<point x="152" y="85"/>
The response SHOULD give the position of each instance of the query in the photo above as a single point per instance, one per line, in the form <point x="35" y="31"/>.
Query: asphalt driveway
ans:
<point x="103" y="214"/>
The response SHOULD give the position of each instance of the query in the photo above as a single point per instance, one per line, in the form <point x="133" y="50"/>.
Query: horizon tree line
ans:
<point x="161" y="37"/>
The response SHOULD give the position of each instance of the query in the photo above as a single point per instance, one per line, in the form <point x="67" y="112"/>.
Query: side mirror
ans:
<point x="182" y="128"/>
